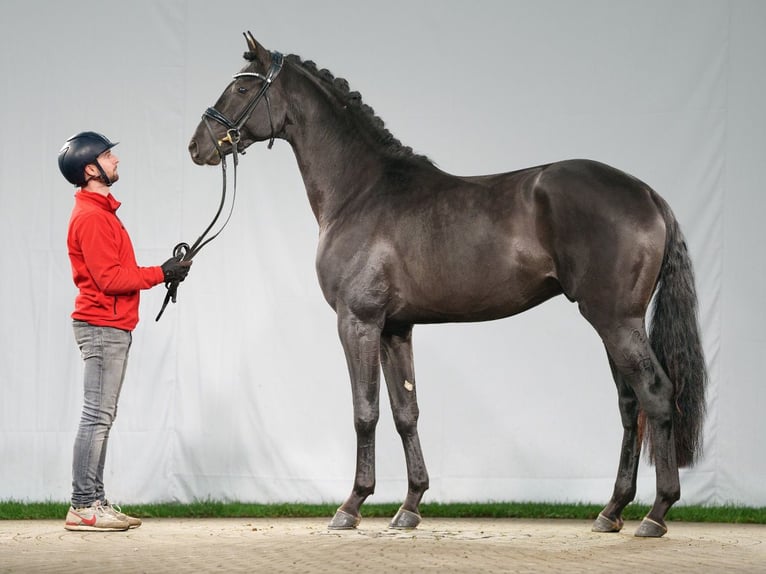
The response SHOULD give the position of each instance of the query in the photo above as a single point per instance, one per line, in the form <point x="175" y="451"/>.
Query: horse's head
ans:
<point x="244" y="113"/>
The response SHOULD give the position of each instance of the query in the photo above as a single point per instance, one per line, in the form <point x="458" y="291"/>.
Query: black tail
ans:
<point x="675" y="338"/>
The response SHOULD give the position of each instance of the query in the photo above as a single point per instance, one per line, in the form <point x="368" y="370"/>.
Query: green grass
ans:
<point x="15" y="510"/>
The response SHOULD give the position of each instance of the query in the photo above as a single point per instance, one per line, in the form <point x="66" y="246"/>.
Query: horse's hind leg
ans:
<point x="610" y="518"/>
<point x="397" y="361"/>
<point x="634" y="359"/>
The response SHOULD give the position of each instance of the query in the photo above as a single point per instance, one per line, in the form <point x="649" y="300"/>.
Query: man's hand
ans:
<point x="175" y="270"/>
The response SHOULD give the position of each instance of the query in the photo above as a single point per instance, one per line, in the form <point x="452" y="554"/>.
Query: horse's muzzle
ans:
<point x="199" y="157"/>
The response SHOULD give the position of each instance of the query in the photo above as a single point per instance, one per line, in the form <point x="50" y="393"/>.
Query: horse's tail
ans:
<point x="675" y="338"/>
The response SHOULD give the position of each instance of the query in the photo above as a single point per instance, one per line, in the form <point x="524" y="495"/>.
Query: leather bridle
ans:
<point x="233" y="127"/>
<point x="233" y="136"/>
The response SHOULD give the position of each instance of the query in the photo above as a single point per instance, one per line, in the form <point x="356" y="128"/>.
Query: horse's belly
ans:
<point x="472" y="295"/>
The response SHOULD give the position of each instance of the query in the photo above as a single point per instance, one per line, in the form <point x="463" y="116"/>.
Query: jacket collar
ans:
<point x="108" y="202"/>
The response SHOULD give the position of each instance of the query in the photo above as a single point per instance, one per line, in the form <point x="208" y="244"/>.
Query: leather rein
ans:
<point x="233" y="136"/>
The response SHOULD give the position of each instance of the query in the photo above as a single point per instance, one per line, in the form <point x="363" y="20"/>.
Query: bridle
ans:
<point x="233" y="127"/>
<point x="233" y="136"/>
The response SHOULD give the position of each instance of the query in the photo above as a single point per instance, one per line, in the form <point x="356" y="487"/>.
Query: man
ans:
<point x="105" y="271"/>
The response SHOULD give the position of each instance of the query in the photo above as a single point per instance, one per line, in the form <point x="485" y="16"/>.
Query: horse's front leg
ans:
<point x="361" y="343"/>
<point x="398" y="368"/>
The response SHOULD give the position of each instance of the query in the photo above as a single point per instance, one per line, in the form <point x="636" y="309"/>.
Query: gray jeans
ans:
<point x="105" y="354"/>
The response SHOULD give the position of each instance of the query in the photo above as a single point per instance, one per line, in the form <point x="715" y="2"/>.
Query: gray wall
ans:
<point x="241" y="391"/>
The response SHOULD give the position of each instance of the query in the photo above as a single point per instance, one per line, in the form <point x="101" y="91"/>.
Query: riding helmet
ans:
<point x="80" y="150"/>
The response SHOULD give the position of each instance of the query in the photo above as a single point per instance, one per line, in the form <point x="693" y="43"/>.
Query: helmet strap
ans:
<point x="102" y="175"/>
<point x="104" y="178"/>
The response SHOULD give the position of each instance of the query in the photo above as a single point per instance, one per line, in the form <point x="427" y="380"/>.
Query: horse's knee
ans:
<point x="365" y="423"/>
<point x="406" y="422"/>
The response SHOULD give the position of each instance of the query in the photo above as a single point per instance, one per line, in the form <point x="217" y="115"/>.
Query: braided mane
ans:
<point x="354" y="101"/>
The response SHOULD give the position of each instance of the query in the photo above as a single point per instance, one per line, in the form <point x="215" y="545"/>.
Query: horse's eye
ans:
<point x="242" y="90"/>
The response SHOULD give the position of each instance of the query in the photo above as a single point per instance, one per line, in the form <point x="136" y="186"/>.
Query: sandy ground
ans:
<point x="438" y="545"/>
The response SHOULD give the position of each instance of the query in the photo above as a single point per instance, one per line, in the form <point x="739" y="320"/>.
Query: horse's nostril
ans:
<point x="193" y="148"/>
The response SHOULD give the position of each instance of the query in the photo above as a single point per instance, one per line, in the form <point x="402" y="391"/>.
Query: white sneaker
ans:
<point x="96" y="517"/>
<point x="132" y="521"/>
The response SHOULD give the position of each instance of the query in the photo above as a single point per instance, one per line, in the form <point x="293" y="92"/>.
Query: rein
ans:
<point x="183" y="251"/>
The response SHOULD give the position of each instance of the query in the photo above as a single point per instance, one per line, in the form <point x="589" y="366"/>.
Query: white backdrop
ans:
<point x="241" y="391"/>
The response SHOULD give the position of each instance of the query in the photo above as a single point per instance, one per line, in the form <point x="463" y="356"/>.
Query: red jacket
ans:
<point x="104" y="265"/>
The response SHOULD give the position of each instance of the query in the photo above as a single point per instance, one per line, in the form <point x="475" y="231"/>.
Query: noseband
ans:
<point x="183" y="251"/>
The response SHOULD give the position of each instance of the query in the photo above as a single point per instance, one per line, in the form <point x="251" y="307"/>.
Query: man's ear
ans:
<point x="91" y="169"/>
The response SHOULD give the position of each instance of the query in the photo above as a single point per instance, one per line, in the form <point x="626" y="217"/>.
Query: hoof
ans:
<point x="344" y="521"/>
<point x="604" y="524"/>
<point x="651" y="529"/>
<point x="405" y="519"/>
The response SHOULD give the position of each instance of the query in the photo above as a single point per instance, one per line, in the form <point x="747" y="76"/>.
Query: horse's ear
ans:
<point x="251" y="43"/>
<point x="255" y="50"/>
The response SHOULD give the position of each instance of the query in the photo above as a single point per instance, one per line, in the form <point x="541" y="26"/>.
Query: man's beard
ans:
<point x="112" y="178"/>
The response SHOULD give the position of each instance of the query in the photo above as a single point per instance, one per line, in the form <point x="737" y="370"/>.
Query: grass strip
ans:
<point x="16" y="510"/>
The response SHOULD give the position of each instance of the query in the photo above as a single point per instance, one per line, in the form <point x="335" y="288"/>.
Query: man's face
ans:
<point x="109" y="163"/>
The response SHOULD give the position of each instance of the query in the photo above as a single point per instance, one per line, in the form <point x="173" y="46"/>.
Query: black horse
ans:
<point x="402" y="242"/>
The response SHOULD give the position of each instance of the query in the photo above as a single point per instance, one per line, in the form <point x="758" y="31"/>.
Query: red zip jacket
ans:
<point x="104" y="265"/>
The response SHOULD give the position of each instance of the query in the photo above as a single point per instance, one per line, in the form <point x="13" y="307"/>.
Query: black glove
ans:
<point x="175" y="270"/>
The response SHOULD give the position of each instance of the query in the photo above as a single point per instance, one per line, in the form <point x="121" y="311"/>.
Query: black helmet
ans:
<point x="80" y="150"/>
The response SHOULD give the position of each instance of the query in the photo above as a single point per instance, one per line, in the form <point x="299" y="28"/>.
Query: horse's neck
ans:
<point x="335" y="160"/>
